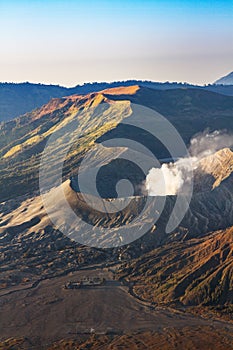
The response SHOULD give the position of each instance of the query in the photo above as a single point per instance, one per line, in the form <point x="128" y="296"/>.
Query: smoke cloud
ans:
<point x="206" y="143"/>
<point x="171" y="178"/>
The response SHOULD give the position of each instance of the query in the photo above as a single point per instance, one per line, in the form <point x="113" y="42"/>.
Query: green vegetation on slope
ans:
<point x="22" y="140"/>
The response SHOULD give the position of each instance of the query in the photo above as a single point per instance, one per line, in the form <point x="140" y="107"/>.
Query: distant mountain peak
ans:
<point x="226" y="80"/>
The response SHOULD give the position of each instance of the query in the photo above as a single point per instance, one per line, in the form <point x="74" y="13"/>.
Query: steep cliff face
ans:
<point x="219" y="166"/>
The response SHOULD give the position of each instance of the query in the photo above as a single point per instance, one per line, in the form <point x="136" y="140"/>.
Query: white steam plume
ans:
<point x="171" y="178"/>
<point x="206" y="143"/>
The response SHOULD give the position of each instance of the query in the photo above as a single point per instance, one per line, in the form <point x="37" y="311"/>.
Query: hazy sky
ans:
<point x="71" y="42"/>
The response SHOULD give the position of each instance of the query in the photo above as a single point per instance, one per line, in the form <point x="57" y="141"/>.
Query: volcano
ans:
<point x="158" y="277"/>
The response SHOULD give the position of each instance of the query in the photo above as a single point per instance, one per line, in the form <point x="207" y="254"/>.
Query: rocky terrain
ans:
<point x="196" y="272"/>
<point x="209" y="337"/>
<point x="169" y="286"/>
<point x="22" y="140"/>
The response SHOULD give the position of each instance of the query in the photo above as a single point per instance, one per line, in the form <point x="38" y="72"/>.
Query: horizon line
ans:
<point x="109" y="82"/>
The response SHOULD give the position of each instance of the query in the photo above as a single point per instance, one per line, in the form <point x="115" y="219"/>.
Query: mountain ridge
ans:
<point x="226" y="80"/>
<point x="169" y="275"/>
<point x="19" y="98"/>
<point x="23" y="139"/>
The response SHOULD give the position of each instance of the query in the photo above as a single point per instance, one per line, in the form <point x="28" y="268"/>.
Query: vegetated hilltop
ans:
<point x="23" y="139"/>
<point x="18" y="99"/>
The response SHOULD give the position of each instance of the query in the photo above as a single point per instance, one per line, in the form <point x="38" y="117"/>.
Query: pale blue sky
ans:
<point x="70" y="42"/>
